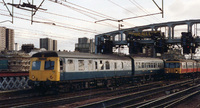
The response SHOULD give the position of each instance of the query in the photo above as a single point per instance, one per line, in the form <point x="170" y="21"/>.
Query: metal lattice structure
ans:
<point x="11" y="83"/>
<point x="123" y="33"/>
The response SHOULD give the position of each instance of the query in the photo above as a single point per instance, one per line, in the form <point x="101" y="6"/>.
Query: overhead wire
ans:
<point x="127" y="10"/>
<point x="87" y="9"/>
<point x="94" y="11"/>
<point x="49" y="23"/>
<point x="86" y="13"/>
<point x="76" y="18"/>
<point x="52" y="21"/>
<point x="79" y="10"/>
<point x="143" y="9"/>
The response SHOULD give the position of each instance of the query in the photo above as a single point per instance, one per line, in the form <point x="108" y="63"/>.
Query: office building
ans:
<point x="6" y="38"/>
<point x="85" y="45"/>
<point x="48" y="44"/>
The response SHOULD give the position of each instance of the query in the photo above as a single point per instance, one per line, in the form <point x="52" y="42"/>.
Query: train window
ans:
<point x="49" y="65"/>
<point x="70" y="61"/>
<point x="36" y="65"/>
<point x="172" y="65"/>
<point x="96" y="66"/>
<point x="61" y="65"/>
<point x="151" y="65"/>
<point x="81" y="65"/>
<point x="122" y="65"/>
<point x="177" y="65"/>
<point x="142" y="65"/>
<point x="167" y="65"/>
<point x="115" y="65"/>
<point x="107" y="65"/>
<point x="102" y="67"/>
<point x="101" y="62"/>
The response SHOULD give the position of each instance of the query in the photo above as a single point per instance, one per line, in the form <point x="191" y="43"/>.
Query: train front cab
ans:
<point x="44" y="70"/>
<point x="173" y="68"/>
<point x="177" y="68"/>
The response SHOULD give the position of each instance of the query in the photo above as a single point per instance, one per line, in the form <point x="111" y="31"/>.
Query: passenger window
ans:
<point x="96" y="66"/>
<point x="61" y="65"/>
<point x="49" y="65"/>
<point x="107" y="65"/>
<point x="142" y="65"/>
<point x="70" y="61"/>
<point x="115" y="65"/>
<point x="36" y="65"/>
<point x="90" y="66"/>
<point x="81" y="65"/>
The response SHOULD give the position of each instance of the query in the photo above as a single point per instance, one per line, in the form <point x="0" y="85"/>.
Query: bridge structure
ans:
<point x="150" y="36"/>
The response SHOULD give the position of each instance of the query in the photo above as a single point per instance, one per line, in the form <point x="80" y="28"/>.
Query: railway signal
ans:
<point x="187" y="42"/>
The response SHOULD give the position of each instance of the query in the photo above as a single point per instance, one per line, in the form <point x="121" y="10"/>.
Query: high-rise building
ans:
<point x="55" y="45"/>
<point x="85" y="45"/>
<point x="6" y="38"/>
<point x="48" y="44"/>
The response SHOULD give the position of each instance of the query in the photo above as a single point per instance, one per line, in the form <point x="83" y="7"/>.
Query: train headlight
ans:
<point x="51" y="77"/>
<point x="33" y="76"/>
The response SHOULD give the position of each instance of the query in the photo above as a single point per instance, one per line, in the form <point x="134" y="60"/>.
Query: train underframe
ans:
<point x="74" y="85"/>
<point x="191" y="75"/>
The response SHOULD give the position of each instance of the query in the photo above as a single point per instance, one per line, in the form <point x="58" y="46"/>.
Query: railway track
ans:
<point x="56" y="100"/>
<point x="172" y="99"/>
<point x="137" y="98"/>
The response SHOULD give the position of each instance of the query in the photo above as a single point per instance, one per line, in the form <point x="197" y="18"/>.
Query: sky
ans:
<point x="68" y="20"/>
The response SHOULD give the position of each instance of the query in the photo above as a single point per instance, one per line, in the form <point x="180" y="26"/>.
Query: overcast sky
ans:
<point x="75" y="18"/>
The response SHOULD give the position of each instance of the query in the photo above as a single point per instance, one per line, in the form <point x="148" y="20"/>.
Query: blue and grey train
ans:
<point x="68" y="69"/>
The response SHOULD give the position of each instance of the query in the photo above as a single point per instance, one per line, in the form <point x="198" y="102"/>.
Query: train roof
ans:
<point x="78" y="55"/>
<point x="91" y="56"/>
<point x="181" y="60"/>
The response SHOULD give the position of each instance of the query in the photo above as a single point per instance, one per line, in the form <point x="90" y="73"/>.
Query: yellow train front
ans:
<point x="176" y="68"/>
<point x="44" y="70"/>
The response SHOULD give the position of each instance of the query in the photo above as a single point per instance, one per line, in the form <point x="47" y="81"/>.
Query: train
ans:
<point x="181" y="67"/>
<point x="71" y="70"/>
<point x="81" y="70"/>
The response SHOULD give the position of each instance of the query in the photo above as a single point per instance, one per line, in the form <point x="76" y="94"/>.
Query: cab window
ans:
<point x="36" y="65"/>
<point x="49" y="65"/>
<point x="177" y="65"/>
<point x="167" y="65"/>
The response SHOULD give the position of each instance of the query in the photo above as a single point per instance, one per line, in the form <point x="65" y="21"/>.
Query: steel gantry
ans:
<point x="102" y="41"/>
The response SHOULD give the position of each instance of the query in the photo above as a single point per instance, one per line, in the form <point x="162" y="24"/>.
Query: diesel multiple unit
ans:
<point x="54" y="68"/>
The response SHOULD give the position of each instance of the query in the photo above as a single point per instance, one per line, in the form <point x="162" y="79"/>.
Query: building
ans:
<point x="27" y="48"/>
<point x="6" y="39"/>
<point x="48" y="44"/>
<point x="16" y="47"/>
<point x="85" y="45"/>
<point x="55" y="45"/>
